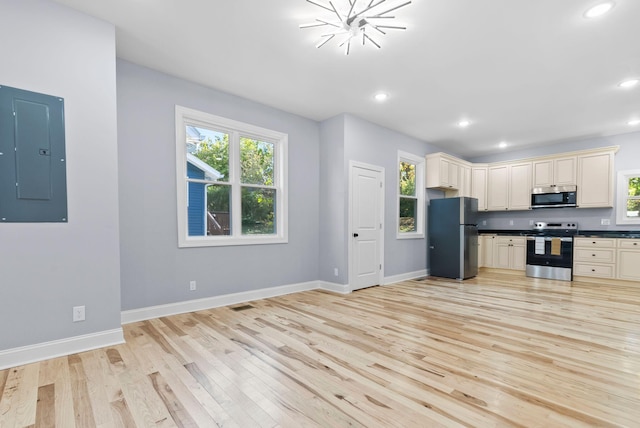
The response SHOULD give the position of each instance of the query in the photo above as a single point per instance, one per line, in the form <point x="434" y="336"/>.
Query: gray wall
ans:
<point x="628" y="157"/>
<point x="333" y="200"/>
<point x="348" y="138"/>
<point x="154" y="270"/>
<point x="47" y="268"/>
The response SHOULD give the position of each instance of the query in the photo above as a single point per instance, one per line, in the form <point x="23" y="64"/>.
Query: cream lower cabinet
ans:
<point x="510" y="252"/>
<point x="594" y="257"/>
<point x="485" y="256"/>
<point x="628" y="259"/>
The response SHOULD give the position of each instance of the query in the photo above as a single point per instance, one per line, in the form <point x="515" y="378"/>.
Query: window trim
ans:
<point x="185" y="116"/>
<point x="622" y="196"/>
<point x="419" y="162"/>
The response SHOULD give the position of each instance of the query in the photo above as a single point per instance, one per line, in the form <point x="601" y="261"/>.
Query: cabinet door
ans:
<point x="453" y="179"/>
<point x="479" y="186"/>
<point x="520" y="186"/>
<point x="465" y="181"/>
<point x="595" y="180"/>
<point x="519" y="256"/>
<point x="502" y="255"/>
<point x="489" y="251"/>
<point x="543" y="173"/>
<point x="629" y="264"/>
<point x="497" y="188"/>
<point x="565" y="171"/>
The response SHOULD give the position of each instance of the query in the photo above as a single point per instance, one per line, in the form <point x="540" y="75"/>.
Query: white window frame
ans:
<point x="622" y="196"/>
<point x="419" y="162"/>
<point x="185" y="117"/>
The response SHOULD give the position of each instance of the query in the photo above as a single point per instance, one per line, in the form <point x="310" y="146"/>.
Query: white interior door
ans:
<point x="366" y="221"/>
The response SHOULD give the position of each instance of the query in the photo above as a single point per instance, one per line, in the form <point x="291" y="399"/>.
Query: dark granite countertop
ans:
<point x="635" y="234"/>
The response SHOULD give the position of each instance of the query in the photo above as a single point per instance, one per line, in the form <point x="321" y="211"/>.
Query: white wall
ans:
<point x="47" y="268"/>
<point x="154" y="270"/>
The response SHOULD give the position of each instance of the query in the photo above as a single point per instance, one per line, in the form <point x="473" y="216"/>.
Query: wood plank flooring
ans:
<point x="497" y="350"/>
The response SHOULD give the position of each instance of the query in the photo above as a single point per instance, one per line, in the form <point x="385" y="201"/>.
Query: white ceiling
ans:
<point x="529" y="72"/>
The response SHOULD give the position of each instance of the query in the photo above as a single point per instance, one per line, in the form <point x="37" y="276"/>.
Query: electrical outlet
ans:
<point x="605" y="222"/>
<point x="335" y="271"/>
<point x="510" y="222"/>
<point x="78" y="313"/>
<point x="192" y="286"/>
<point x="484" y="222"/>
<point x="530" y="222"/>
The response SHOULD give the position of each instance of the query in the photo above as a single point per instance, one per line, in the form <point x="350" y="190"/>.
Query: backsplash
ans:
<point x="587" y="218"/>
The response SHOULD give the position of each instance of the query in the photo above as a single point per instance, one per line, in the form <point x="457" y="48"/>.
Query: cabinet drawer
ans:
<point x="598" y="255"/>
<point x="632" y="244"/>
<point x="515" y="240"/>
<point x="600" y="271"/>
<point x="594" y="242"/>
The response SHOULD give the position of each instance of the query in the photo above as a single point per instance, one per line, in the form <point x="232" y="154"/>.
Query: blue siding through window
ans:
<point x="196" y="211"/>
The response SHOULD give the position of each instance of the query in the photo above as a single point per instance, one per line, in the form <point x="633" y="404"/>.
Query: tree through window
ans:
<point x="235" y="175"/>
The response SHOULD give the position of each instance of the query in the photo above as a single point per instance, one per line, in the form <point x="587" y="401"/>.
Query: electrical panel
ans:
<point x="33" y="179"/>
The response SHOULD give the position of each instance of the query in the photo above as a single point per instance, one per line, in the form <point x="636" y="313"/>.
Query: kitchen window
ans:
<point x="628" y="201"/>
<point x="231" y="181"/>
<point x="410" y="196"/>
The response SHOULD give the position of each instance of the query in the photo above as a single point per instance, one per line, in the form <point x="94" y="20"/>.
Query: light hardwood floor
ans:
<point x="497" y="350"/>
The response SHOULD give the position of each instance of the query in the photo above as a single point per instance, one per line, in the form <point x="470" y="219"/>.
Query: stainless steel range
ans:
<point x="550" y="250"/>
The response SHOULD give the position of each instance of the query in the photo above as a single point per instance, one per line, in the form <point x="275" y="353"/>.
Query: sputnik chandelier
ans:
<point x="354" y="20"/>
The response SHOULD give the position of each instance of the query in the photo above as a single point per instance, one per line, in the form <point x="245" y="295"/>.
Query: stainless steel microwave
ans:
<point x="554" y="197"/>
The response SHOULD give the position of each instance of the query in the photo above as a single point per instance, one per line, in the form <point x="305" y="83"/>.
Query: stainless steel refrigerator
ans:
<point x="453" y="237"/>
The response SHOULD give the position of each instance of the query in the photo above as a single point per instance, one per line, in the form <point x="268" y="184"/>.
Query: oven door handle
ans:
<point x="549" y="238"/>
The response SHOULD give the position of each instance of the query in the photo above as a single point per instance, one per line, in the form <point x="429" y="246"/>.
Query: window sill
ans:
<point x="195" y="242"/>
<point x="407" y="235"/>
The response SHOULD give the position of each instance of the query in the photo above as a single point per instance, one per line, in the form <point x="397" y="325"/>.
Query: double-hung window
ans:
<point x="628" y="201"/>
<point x="410" y="196"/>
<point x="231" y="181"/>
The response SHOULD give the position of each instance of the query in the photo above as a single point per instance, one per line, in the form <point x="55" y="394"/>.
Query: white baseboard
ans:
<point x="336" y="288"/>
<point x="151" y="312"/>
<point x="405" y="276"/>
<point x="58" y="348"/>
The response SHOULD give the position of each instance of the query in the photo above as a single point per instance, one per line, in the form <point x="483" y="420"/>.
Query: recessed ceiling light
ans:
<point x="381" y="96"/>
<point x="634" y="122"/>
<point x="630" y="83"/>
<point x="464" y="123"/>
<point x="599" y="9"/>
<point x="503" y="144"/>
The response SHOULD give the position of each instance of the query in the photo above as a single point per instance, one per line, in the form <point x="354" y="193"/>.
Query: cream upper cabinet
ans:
<point x="509" y="187"/>
<point x="595" y="180"/>
<point x="479" y="186"/>
<point x="565" y="171"/>
<point x="465" y="180"/>
<point x="520" y="186"/>
<point x="442" y="171"/>
<point x="560" y="171"/>
<point x="498" y="188"/>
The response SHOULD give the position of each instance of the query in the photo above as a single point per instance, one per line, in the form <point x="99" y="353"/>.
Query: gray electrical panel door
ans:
<point x="33" y="180"/>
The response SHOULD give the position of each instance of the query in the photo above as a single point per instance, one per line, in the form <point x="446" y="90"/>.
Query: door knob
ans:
<point x="355" y="235"/>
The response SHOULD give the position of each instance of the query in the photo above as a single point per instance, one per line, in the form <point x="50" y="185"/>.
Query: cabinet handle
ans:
<point x="635" y="243"/>
<point x="593" y="255"/>
<point x="593" y="270"/>
<point x="593" y="242"/>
